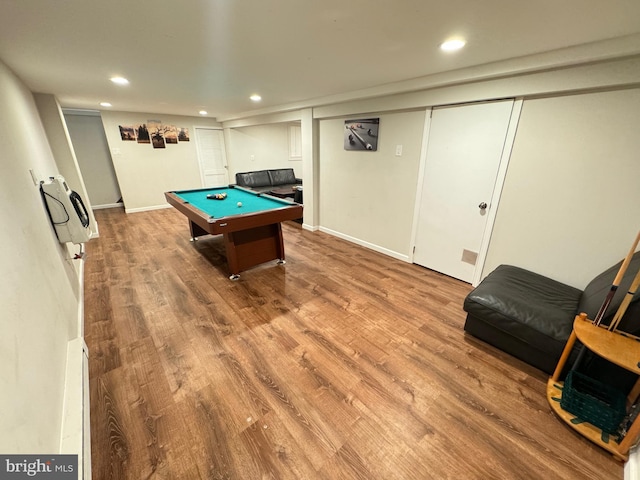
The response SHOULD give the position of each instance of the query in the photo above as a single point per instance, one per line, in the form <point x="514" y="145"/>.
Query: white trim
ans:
<point x="368" y="245"/>
<point x="85" y="472"/>
<point x="146" y="209"/>
<point x="213" y="127"/>
<point x="75" y="435"/>
<point x="75" y="430"/>
<point x="419" y="189"/>
<point x="497" y="190"/>
<point x="310" y="228"/>
<point x="266" y="117"/>
<point x="107" y="205"/>
<point x="95" y="231"/>
<point x="81" y="111"/>
<point x="80" y="330"/>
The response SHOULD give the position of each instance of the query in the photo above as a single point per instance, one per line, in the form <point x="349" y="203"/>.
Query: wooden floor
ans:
<point x="342" y="364"/>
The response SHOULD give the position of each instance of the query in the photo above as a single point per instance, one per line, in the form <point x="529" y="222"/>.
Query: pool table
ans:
<point x="249" y="222"/>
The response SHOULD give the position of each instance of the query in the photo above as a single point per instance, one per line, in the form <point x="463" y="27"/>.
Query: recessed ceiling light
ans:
<point x="255" y="98"/>
<point x="451" y="45"/>
<point x="202" y="112"/>
<point x="105" y="104"/>
<point x="120" y="80"/>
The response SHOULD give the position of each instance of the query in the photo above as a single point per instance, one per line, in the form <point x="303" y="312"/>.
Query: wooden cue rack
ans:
<point x="618" y="348"/>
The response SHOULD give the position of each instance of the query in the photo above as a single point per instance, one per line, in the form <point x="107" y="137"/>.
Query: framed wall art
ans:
<point x="361" y="134"/>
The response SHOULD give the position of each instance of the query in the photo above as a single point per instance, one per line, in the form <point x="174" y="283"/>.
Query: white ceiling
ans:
<point x="182" y="56"/>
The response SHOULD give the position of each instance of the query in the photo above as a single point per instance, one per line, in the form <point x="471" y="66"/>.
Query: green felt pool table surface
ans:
<point x="251" y="202"/>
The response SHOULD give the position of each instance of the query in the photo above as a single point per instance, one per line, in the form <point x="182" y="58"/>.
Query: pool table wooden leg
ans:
<point x="196" y="231"/>
<point x="280" y="245"/>
<point x="232" y="256"/>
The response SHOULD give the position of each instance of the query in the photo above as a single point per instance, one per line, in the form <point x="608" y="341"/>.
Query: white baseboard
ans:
<point x="95" y="232"/>
<point x="75" y="435"/>
<point x="80" y="319"/>
<point x="146" y="209"/>
<point x="75" y="431"/>
<point x="371" y="246"/>
<point x="107" y="205"/>
<point x="310" y="228"/>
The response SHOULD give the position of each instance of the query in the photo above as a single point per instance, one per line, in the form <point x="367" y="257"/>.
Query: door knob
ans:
<point x="482" y="206"/>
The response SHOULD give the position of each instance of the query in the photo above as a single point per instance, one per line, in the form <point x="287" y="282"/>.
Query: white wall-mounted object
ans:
<point x="66" y="211"/>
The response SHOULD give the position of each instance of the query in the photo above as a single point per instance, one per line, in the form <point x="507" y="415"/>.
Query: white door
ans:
<point x="212" y="157"/>
<point x="464" y="149"/>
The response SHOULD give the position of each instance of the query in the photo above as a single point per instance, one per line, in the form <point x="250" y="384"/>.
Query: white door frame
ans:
<point x="497" y="190"/>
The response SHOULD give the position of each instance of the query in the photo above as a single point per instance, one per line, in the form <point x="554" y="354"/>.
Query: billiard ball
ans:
<point x="239" y="204"/>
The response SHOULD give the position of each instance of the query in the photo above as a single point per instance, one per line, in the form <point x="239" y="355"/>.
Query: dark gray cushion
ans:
<point x="253" y="179"/>
<point x="531" y="307"/>
<point x="597" y="290"/>
<point x="282" y="176"/>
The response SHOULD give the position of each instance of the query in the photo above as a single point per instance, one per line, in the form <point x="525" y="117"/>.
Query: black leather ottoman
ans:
<point x="522" y="313"/>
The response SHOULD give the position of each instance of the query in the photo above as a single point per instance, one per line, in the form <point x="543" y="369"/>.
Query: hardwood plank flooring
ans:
<point x="342" y="364"/>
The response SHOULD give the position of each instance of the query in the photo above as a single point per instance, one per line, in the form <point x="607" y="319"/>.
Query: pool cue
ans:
<point x="625" y="302"/>
<point x="366" y="145"/>
<point x="616" y="283"/>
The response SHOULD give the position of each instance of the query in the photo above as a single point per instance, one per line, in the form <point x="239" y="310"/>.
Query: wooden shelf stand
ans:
<point x="615" y="347"/>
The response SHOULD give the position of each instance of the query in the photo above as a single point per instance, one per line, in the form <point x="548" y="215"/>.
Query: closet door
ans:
<point x="464" y="151"/>
<point x="212" y="157"/>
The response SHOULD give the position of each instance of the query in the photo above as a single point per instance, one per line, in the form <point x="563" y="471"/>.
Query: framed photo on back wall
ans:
<point x="361" y="134"/>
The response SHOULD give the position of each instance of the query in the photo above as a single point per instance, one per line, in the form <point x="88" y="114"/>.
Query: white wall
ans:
<point x="370" y="196"/>
<point x="267" y="144"/>
<point x="570" y="206"/>
<point x="570" y="202"/>
<point x="94" y="158"/>
<point x="144" y="173"/>
<point x="38" y="301"/>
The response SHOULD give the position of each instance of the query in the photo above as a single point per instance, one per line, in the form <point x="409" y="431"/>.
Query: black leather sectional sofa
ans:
<point x="267" y="180"/>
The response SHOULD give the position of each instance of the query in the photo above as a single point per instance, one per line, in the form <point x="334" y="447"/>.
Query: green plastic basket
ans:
<point x="592" y="401"/>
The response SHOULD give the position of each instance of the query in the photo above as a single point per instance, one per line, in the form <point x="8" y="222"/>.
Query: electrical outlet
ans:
<point x="252" y="157"/>
<point x="398" y="150"/>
